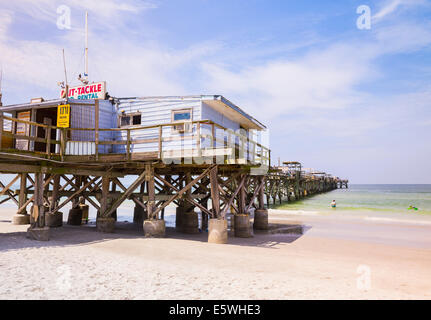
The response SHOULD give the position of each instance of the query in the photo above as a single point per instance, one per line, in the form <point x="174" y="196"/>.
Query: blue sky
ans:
<point x="351" y="102"/>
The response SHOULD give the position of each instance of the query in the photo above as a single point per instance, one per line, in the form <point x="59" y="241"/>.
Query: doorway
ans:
<point x="46" y="116"/>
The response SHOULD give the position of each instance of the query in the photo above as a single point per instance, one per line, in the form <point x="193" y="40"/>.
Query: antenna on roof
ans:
<point x="64" y="84"/>
<point x="64" y="65"/>
<point x="84" y="79"/>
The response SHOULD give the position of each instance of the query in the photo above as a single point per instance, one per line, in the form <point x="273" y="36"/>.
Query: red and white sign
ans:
<point x="90" y="91"/>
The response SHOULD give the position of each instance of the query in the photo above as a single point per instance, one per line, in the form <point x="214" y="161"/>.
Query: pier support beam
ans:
<point x="242" y="226"/>
<point x="21" y="217"/>
<point x="105" y="222"/>
<point x="179" y="217"/>
<point x="153" y="227"/>
<point x="54" y="220"/>
<point x="189" y="220"/>
<point x="75" y="214"/>
<point x="204" y="217"/>
<point x="140" y="213"/>
<point x="215" y="193"/>
<point x="38" y="230"/>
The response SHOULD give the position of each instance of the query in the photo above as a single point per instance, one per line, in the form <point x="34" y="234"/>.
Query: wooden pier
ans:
<point x="230" y="175"/>
<point x="289" y="183"/>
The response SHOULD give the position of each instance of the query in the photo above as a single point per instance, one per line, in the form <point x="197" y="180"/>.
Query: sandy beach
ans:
<point x="335" y="258"/>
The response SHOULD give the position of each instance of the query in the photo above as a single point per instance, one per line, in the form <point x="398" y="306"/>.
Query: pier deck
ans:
<point x="232" y="178"/>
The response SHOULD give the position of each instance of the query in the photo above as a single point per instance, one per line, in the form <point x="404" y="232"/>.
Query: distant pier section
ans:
<point x="290" y="182"/>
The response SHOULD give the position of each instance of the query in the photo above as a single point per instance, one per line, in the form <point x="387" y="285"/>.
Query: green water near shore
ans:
<point x="375" y="200"/>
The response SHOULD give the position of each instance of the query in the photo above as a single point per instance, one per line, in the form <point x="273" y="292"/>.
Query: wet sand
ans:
<point x="336" y="258"/>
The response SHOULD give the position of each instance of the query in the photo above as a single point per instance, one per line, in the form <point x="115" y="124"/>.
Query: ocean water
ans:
<point x="374" y="200"/>
<point x="377" y="201"/>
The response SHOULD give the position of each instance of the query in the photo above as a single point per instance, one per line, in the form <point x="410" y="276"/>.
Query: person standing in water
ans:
<point x="333" y="204"/>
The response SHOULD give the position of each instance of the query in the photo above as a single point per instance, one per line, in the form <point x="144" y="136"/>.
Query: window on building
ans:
<point x="130" y="119"/>
<point x="181" y="115"/>
<point x="137" y="119"/>
<point x="125" y="121"/>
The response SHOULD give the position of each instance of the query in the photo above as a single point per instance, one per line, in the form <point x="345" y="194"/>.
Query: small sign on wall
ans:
<point x="63" y="116"/>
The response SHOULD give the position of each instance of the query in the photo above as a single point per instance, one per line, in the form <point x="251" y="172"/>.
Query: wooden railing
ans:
<point x="245" y="150"/>
<point x="29" y="126"/>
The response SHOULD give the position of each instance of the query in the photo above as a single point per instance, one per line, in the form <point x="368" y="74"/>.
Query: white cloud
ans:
<point x="109" y="14"/>
<point x="323" y="79"/>
<point x="5" y="21"/>
<point x="129" y="67"/>
<point x="42" y="9"/>
<point x="393" y="5"/>
<point x="389" y="8"/>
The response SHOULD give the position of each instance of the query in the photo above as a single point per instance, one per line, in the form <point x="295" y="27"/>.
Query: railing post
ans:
<point x="128" y="145"/>
<point x="198" y="139"/>
<point x="242" y="148"/>
<point x="149" y="178"/>
<point x="96" y="127"/>
<point x="48" y="141"/>
<point x="214" y="142"/>
<point x="62" y="143"/>
<point x="231" y="145"/>
<point x="160" y="141"/>
<point x="215" y="193"/>
<point x="269" y="157"/>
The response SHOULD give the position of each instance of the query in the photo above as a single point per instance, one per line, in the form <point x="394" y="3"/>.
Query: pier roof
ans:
<point x="218" y="102"/>
<point x="37" y="105"/>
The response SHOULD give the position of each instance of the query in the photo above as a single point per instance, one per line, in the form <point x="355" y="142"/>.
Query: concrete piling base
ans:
<point x="75" y="217"/>
<point x="38" y="234"/>
<point x="260" y="219"/>
<point x="105" y="225"/>
<point x="139" y="215"/>
<point x="54" y="220"/>
<point x="243" y="227"/>
<point x="217" y="231"/>
<point x="21" y="219"/>
<point x="154" y="228"/>
<point x="190" y="222"/>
